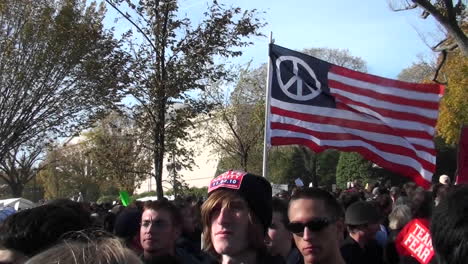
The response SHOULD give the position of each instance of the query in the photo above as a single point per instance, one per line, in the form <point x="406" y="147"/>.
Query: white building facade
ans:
<point x="205" y="163"/>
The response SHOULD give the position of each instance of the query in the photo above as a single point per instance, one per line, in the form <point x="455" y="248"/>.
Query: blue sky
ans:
<point x="388" y="41"/>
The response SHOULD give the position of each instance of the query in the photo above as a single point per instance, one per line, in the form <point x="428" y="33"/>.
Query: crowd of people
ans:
<point x="241" y="222"/>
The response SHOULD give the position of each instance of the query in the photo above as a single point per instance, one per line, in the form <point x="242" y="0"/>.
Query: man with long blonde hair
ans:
<point x="236" y="217"/>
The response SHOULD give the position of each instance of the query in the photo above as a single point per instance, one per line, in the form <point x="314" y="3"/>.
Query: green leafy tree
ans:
<point x="352" y="166"/>
<point x="180" y="131"/>
<point x="326" y="167"/>
<point x="291" y="162"/>
<point x="57" y="64"/>
<point x="19" y="167"/>
<point x="70" y="170"/>
<point x="82" y="173"/>
<point x="279" y="163"/>
<point x="193" y="192"/>
<point x="197" y="192"/>
<point x="340" y="57"/>
<point x="454" y="109"/>
<point x="236" y="123"/>
<point x="418" y="72"/>
<point x="56" y="182"/>
<point x="118" y="153"/>
<point x="177" y="57"/>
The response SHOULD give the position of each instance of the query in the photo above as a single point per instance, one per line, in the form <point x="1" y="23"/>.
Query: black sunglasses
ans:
<point x="316" y="224"/>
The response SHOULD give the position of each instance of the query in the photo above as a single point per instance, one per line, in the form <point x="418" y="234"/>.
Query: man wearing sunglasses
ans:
<point x="316" y="221"/>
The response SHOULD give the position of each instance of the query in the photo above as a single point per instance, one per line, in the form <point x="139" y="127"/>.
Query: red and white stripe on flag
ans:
<point x="389" y="122"/>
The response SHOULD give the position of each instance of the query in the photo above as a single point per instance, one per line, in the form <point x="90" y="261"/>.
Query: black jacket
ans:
<point x="262" y="259"/>
<point x="352" y="253"/>
<point x="294" y="257"/>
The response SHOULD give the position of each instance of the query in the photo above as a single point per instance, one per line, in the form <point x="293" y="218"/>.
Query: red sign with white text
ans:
<point x="230" y="179"/>
<point x="418" y="242"/>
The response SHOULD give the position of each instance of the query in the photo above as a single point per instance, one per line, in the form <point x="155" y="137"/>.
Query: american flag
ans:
<point x="321" y="105"/>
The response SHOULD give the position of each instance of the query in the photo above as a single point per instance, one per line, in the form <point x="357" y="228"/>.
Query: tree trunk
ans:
<point x="310" y="164"/>
<point x="314" y="170"/>
<point x="17" y="189"/>
<point x="244" y="160"/>
<point x="158" y="161"/>
<point x="159" y="146"/>
<point x="452" y="28"/>
<point x="460" y="38"/>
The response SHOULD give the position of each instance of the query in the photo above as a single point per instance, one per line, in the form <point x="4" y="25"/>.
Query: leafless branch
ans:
<point x="439" y="67"/>
<point x="425" y="14"/>
<point x="133" y="23"/>
<point x="406" y="7"/>
<point x="444" y="50"/>
<point x="430" y="8"/>
<point x="440" y="47"/>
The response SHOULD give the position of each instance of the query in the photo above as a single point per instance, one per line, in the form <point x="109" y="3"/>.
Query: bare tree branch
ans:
<point x="439" y="67"/>
<point x="408" y="7"/>
<point x="129" y="19"/>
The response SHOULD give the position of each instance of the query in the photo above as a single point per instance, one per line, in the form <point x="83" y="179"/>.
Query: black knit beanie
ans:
<point x="256" y="190"/>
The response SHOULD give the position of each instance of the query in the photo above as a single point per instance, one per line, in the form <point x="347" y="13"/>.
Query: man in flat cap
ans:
<point x="362" y="220"/>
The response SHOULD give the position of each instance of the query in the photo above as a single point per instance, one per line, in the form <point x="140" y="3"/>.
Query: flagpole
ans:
<point x="267" y="112"/>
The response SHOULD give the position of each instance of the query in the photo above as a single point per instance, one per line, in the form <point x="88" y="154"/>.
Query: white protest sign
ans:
<point x="299" y="182"/>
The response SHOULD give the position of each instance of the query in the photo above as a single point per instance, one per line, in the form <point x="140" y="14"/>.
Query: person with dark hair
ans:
<point x="108" y="221"/>
<point x="384" y="204"/>
<point x="422" y="204"/>
<point x="161" y="226"/>
<point x="395" y="192"/>
<point x="78" y="208"/>
<point x="284" y="195"/>
<point x="127" y="227"/>
<point x="408" y="189"/>
<point x="363" y="222"/>
<point x="347" y="198"/>
<point x="316" y="221"/>
<point x="279" y="240"/>
<point x="236" y="217"/>
<point x="439" y="191"/>
<point x="449" y="227"/>
<point x="33" y="230"/>
<point x="190" y="239"/>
